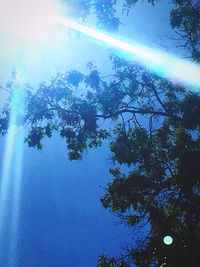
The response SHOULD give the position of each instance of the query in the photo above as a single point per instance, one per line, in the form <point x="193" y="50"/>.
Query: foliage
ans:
<point x="154" y="132"/>
<point x="105" y="262"/>
<point x="106" y="12"/>
<point x="185" y="19"/>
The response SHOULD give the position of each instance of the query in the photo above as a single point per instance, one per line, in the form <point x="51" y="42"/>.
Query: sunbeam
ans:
<point x="14" y="225"/>
<point x="11" y="178"/>
<point x="5" y="175"/>
<point x="161" y="63"/>
<point x="32" y="21"/>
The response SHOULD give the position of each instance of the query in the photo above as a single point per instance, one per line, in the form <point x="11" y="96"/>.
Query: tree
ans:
<point x="185" y="20"/>
<point x="155" y="133"/>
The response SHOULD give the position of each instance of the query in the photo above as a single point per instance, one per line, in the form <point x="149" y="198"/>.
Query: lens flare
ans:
<point x="168" y="240"/>
<point x="161" y="63"/>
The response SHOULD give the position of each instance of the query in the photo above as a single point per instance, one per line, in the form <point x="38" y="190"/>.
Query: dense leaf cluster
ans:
<point x="185" y="19"/>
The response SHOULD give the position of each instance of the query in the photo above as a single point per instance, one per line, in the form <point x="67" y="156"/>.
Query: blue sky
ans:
<point x="61" y="220"/>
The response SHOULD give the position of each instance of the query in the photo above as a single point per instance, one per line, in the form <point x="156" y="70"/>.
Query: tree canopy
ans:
<point x="155" y="133"/>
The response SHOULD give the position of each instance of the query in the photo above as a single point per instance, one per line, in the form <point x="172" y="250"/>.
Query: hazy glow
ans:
<point x="168" y="240"/>
<point x="28" y="19"/>
<point x="10" y="183"/>
<point x="16" y="196"/>
<point x="161" y="63"/>
<point x="38" y="20"/>
<point x="5" y="177"/>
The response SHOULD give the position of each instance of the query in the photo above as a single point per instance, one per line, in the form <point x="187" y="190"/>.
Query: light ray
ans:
<point x="5" y="176"/>
<point x="10" y="184"/>
<point x="14" y="225"/>
<point x="34" y="19"/>
<point x="161" y="63"/>
<point x="29" y="19"/>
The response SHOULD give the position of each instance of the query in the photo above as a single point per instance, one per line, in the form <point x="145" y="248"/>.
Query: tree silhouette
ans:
<point x="154" y="132"/>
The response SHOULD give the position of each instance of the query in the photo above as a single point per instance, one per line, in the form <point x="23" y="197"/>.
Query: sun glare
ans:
<point x="28" y="19"/>
<point x="163" y="64"/>
<point x="40" y="19"/>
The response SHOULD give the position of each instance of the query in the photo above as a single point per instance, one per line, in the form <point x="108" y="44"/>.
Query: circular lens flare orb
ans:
<point x="168" y="240"/>
<point x="28" y="19"/>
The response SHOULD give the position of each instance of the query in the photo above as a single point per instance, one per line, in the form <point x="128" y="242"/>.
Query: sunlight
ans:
<point x="16" y="197"/>
<point x="161" y="63"/>
<point x="29" y="24"/>
<point x="37" y="20"/>
<point x="28" y="19"/>
<point x="11" y="177"/>
<point x="10" y="192"/>
<point x="5" y="176"/>
<point x="34" y="24"/>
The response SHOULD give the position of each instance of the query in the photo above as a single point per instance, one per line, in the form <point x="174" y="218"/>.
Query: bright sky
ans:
<point x="28" y="19"/>
<point x="45" y="49"/>
<point x="42" y="50"/>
